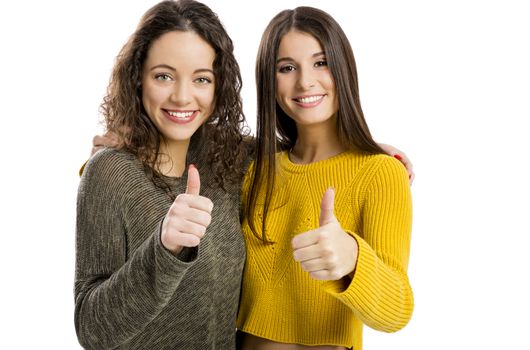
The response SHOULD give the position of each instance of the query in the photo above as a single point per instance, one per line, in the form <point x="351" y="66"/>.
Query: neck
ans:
<point x="315" y="144"/>
<point x="172" y="159"/>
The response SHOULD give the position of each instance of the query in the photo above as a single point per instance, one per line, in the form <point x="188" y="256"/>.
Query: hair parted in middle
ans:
<point x="122" y="107"/>
<point x="276" y="131"/>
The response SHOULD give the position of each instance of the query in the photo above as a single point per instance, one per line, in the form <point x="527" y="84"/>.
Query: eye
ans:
<point x="203" y="80"/>
<point x="321" y="63"/>
<point x="286" y="69"/>
<point x="163" y="77"/>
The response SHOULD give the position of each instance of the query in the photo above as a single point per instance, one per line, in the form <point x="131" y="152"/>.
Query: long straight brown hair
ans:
<point x="276" y="131"/>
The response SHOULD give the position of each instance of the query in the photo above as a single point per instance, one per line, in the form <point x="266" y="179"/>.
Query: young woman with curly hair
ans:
<point x="159" y="251"/>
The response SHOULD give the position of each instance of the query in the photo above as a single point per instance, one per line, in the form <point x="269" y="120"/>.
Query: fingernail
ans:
<point x="397" y="156"/>
<point x="193" y="166"/>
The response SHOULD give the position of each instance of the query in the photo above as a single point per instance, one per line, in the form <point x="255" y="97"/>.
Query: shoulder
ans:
<point x="380" y="170"/>
<point x="113" y="177"/>
<point x="377" y="163"/>
<point x="110" y="158"/>
<point x="111" y="165"/>
<point x="383" y="171"/>
<point x="385" y="162"/>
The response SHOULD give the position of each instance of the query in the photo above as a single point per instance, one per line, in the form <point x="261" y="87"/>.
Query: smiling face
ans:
<point x="305" y="89"/>
<point x="178" y="84"/>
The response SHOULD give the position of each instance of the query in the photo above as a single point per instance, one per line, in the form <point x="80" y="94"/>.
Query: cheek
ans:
<point x="207" y="98"/>
<point x="147" y="104"/>
<point x="327" y="81"/>
<point x="153" y="96"/>
<point x="281" y="89"/>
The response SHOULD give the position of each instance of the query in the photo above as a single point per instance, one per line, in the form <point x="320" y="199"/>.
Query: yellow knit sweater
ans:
<point x="282" y="302"/>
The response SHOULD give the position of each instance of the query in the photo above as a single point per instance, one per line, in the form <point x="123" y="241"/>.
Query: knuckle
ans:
<point x="332" y="261"/>
<point x="316" y="275"/>
<point x="296" y="256"/>
<point x="208" y="219"/>
<point x="326" y="251"/>
<point x="176" y="222"/>
<point x="195" y="241"/>
<point x="177" y="207"/>
<point x="335" y="275"/>
<point x="189" y="240"/>
<point x="324" y="234"/>
<point x="181" y="197"/>
<point x="201" y="232"/>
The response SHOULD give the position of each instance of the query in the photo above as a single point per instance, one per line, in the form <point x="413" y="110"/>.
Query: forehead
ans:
<point x="296" y="43"/>
<point x="177" y="47"/>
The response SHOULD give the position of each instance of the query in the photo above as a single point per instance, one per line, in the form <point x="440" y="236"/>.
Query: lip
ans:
<point x="191" y="115"/>
<point x="311" y="104"/>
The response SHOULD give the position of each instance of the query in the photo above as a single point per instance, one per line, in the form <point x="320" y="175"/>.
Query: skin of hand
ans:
<point x="188" y="217"/>
<point x="328" y="252"/>
<point x="108" y="139"/>
<point x="401" y="156"/>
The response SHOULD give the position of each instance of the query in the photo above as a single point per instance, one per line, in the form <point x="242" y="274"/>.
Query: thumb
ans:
<point x="194" y="181"/>
<point x="326" y="207"/>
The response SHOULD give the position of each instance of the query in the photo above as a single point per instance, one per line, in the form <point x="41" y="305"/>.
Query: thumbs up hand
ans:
<point x="327" y="253"/>
<point x="188" y="217"/>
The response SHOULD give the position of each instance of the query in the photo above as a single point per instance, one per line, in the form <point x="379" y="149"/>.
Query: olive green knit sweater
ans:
<point x="130" y="292"/>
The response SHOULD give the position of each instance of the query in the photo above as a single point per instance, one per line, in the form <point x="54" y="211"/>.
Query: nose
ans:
<point x="306" y="79"/>
<point x="181" y="94"/>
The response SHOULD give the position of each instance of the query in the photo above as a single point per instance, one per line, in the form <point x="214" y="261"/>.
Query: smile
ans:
<point x="180" y="117"/>
<point x="308" y="101"/>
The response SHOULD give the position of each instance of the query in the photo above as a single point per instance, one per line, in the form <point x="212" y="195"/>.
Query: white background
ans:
<point x="446" y="81"/>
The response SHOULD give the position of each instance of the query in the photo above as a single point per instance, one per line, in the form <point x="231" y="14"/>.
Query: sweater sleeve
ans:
<point x="380" y="293"/>
<point x="117" y="293"/>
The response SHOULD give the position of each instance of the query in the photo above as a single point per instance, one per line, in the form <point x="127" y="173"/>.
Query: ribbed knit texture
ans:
<point x="282" y="302"/>
<point x="130" y="292"/>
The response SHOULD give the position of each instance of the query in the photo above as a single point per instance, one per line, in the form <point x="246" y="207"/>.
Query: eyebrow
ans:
<point x="166" y="66"/>
<point x="283" y="59"/>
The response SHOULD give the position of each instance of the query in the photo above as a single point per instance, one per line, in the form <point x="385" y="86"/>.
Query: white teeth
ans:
<point x="182" y="115"/>
<point x="310" y="99"/>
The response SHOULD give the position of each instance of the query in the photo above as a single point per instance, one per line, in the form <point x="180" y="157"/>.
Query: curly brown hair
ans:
<point x="221" y="136"/>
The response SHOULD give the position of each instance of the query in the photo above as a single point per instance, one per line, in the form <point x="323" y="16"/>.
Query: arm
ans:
<point x="108" y="139"/>
<point x="117" y="293"/>
<point x="380" y="293"/>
